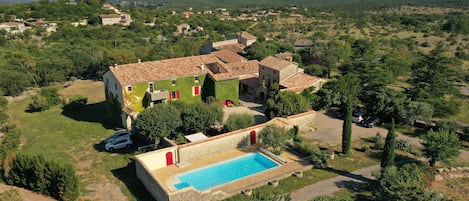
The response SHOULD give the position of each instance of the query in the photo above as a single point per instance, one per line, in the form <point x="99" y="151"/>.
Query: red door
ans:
<point x="169" y="158"/>
<point x="253" y="137"/>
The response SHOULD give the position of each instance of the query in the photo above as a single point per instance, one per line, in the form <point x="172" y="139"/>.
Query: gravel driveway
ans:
<point x="329" y="130"/>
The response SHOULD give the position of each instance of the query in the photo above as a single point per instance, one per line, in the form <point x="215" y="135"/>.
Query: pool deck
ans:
<point x="168" y="175"/>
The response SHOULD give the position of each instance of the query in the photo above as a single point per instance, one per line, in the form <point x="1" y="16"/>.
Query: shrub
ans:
<point x="11" y="195"/>
<point x="51" y="94"/>
<point x="318" y="158"/>
<point x="51" y="178"/>
<point x="404" y="145"/>
<point x="11" y="141"/>
<point x="239" y="121"/>
<point x="38" y="104"/>
<point x="48" y="96"/>
<point x="365" y="148"/>
<point x="76" y="102"/>
<point x="379" y="141"/>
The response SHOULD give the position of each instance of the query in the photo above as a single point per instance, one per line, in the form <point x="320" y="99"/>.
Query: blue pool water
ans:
<point x="214" y="175"/>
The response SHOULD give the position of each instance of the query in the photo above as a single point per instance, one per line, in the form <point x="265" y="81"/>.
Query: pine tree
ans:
<point x="387" y="159"/>
<point x="347" y="131"/>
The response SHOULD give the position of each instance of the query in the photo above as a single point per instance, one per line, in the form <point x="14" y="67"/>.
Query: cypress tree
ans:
<point x="387" y="159"/>
<point x="347" y="131"/>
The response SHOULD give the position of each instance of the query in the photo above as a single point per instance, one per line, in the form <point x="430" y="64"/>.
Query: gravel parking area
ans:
<point x="328" y="130"/>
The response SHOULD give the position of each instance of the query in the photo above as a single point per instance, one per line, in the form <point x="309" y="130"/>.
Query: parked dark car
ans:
<point x="369" y="122"/>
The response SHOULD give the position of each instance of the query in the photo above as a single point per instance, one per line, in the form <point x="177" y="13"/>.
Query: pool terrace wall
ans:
<point x="147" y="163"/>
<point x="150" y="182"/>
<point x="224" y="142"/>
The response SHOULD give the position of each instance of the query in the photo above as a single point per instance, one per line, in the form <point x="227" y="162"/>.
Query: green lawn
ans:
<point x="75" y="137"/>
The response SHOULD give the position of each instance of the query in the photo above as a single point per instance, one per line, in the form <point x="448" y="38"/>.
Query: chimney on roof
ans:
<point x="115" y="66"/>
<point x="202" y="66"/>
<point x="139" y="61"/>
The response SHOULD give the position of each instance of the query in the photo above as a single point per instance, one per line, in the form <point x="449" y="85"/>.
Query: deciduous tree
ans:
<point x="274" y="136"/>
<point x="404" y="184"/>
<point x="441" y="146"/>
<point x="159" y="121"/>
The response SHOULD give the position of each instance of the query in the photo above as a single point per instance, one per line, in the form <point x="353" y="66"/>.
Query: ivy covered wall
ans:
<point x="135" y="99"/>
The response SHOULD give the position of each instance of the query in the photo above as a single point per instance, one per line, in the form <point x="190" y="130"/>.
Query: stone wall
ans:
<point x="303" y="120"/>
<point x="157" y="159"/>
<point x="225" y="42"/>
<point x="451" y="173"/>
<point x="224" y="142"/>
<point x="151" y="183"/>
<point x="192" y="194"/>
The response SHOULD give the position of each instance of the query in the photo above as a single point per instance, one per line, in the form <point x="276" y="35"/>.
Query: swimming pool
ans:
<point x="224" y="172"/>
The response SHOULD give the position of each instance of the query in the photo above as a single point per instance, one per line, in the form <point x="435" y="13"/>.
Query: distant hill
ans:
<point x="277" y="3"/>
<point x="302" y="3"/>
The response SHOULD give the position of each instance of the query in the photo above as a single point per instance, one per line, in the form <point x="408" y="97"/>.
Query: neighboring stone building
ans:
<point x="182" y="28"/>
<point x="111" y="19"/>
<point x="236" y="43"/>
<point x="244" y="38"/>
<point x="13" y="27"/>
<point x="286" y="74"/>
<point x="300" y="44"/>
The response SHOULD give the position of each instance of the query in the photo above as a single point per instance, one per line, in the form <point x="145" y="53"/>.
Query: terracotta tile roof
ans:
<point x="222" y="76"/>
<point x="275" y="63"/>
<point x="299" y="82"/>
<point x="162" y="69"/>
<point x="245" y="35"/>
<point x="228" y="56"/>
<point x="246" y="67"/>
<point x="219" y="71"/>
<point x="237" y="48"/>
<point x="303" y="43"/>
<point x="109" y="16"/>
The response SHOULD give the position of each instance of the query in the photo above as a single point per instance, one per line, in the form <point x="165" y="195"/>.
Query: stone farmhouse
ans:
<point x="130" y="88"/>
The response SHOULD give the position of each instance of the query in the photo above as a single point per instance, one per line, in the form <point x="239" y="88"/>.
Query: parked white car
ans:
<point x="119" y="143"/>
<point x="357" y="117"/>
<point x="117" y="134"/>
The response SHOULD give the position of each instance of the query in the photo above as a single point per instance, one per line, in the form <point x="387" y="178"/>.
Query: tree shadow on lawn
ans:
<point x="349" y="174"/>
<point x="359" y="189"/>
<point x="95" y="112"/>
<point x="128" y="176"/>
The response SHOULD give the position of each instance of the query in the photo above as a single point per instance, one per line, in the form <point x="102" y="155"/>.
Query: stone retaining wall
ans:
<point x="451" y="173"/>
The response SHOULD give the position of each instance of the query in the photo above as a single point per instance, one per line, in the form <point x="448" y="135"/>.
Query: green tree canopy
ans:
<point x="404" y="184"/>
<point x="159" y="121"/>
<point x="239" y="121"/>
<point x="441" y="146"/>
<point x="199" y="117"/>
<point x="275" y="137"/>
<point x="387" y="160"/>
<point x="285" y="103"/>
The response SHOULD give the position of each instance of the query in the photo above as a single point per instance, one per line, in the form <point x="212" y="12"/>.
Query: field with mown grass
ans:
<point x="76" y="137"/>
